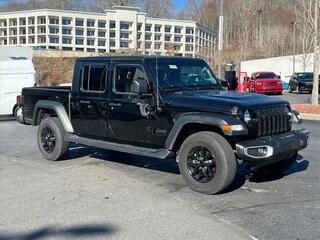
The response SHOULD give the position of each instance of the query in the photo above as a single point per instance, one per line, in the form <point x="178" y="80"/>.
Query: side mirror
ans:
<point x="140" y="86"/>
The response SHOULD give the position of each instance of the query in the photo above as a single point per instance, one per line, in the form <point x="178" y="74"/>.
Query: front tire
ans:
<point x="50" y="139"/>
<point x="207" y="162"/>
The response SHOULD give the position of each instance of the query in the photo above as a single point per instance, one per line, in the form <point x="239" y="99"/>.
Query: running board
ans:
<point x="156" y="153"/>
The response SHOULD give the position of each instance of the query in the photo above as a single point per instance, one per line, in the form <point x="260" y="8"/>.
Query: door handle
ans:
<point x="85" y="101"/>
<point x="115" y="104"/>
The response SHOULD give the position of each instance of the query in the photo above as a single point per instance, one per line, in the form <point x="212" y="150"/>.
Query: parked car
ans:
<point x="265" y="82"/>
<point x="301" y="81"/>
<point x="14" y="75"/>
<point x="165" y="107"/>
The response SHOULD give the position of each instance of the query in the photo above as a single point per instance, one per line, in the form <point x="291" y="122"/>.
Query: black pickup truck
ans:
<point x="165" y="107"/>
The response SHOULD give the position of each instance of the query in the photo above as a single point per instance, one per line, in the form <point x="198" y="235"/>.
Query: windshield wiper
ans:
<point x="177" y="88"/>
<point x="204" y="86"/>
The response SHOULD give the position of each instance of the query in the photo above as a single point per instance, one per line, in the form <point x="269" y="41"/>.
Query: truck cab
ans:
<point x="165" y="107"/>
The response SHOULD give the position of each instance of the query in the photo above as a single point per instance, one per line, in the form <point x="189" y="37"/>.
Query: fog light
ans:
<point x="261" y="151"/>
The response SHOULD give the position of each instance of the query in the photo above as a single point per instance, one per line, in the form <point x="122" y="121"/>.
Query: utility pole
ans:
<point x="316" y="57"/>
<point x="220" y="43"/>
<point x="294" y="47"/>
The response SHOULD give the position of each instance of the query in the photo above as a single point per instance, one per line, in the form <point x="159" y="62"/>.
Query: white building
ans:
<point x="119" y="29"/>
<point x="282" y="66"/>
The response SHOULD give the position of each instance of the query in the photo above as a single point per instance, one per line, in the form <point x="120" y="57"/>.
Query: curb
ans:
<point x="310" y="116"/>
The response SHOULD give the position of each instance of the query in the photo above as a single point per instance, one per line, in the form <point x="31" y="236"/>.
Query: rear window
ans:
<point x="94" y="78"/>
<point x="265" y="75"/>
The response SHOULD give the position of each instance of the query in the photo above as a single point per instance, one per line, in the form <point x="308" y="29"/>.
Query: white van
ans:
<point x="15" y="74"/>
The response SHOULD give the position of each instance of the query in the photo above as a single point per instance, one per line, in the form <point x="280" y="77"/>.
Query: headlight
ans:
<point x="247" y="117"/>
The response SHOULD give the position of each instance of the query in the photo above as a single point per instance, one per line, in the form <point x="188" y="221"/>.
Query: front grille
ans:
<point x="269" y="83"/>
<point x="271" y="120"/>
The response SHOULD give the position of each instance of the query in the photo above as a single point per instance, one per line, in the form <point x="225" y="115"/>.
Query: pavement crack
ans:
<point x="264" y="205"/>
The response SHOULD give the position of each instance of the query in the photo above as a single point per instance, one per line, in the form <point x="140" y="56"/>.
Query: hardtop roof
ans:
<point x="130" y="58"/>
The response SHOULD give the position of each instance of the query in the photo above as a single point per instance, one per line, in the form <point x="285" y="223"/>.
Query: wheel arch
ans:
<point x="53" y="109"/>
<point x="190" y="123"/>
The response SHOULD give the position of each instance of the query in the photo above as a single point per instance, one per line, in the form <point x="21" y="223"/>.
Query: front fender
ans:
<point x="58" y="108"/>
<point x="202" y="118"/>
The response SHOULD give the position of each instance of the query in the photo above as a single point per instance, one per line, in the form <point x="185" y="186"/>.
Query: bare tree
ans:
<point x="156" y="8"/>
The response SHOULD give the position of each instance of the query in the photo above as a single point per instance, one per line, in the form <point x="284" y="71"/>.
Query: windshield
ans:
<point x="184" y="74"/>
<point x="305" y="76"/>
<point x="265" y="75"/>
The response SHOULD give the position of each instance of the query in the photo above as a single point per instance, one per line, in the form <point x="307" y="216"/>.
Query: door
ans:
<point x="89" y="106"/>
<point x="126" y="121"/>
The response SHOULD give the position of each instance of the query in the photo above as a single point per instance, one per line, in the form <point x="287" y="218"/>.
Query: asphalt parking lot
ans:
<point x="98" y="194"/>
<point x="302" y="98"/>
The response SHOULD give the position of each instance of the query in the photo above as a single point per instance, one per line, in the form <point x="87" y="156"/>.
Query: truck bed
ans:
<point x="31" y="95"/>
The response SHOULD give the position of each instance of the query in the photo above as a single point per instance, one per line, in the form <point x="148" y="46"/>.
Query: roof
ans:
<point x="16" y="67"/>
<point x="137" y="57"/>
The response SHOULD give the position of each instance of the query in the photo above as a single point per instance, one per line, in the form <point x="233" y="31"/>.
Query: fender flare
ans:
<point x="201" y="118"/>
<point x="58" y="108"/>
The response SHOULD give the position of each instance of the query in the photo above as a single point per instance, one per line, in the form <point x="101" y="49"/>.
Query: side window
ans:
<point x="124" y="77"/>
<point x="94" y="78"/>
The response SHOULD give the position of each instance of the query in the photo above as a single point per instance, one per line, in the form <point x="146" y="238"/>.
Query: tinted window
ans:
<point x="94" y="78"/>
<point x="183" y="73"/>
<point x="125" y="75"/>
<point x="265" y="75"/>
<point x="305" y="76"/>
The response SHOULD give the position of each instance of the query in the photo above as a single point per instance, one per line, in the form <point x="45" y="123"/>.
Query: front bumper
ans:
<point x="278" y="147"/>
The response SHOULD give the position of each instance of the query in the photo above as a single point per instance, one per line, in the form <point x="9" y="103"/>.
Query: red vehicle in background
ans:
<point x="265" y="82"/>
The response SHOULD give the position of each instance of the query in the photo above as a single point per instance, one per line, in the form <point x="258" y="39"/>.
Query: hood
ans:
<point x="219" y="101"/>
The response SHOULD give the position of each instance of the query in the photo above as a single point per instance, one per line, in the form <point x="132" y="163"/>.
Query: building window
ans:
<point x="101" y="24"/>
<point x="148" y="45"/>
<point x="157" y="46"/>
<point x="112" y="43"/>
<point x="42" y="21"/>
<point x="101" y="34"/>
<point x="189" y="39"/>
<point x="79" y="41"/>
<point x="167" y="38"/>
<point x="32" y="40"/>
<point x="79" y="23"/>
<point x="139" y="27"/>
<point x="157" y="37"/>
<point x="94" y="78"/>
<point x="112" y="24"/>
<point x="14" y="23"/>
<point x="66" y="21"/>
<point x="124" y="45"/>
<point x="42" y="40"/>
<point x="24" y="41"/>
<point x="66" y="40"/>
<point x="31" y="30"/>
<point x="54" y="21"/>
<point x="124" y="35"/>
<point x="90" y="23"/>
<point x="189" y="31"/>
<point x="79" y="32"/>
<point x="148" y="37"/>
<point x="22" y="31"/>
<point x="66" y="31"/>
<point x="157" y="28"/>
<point x="54" y="40"/>
<point x="177" y="39"/>
<point x="177" y="30"/>
<point x="112" y="34"/>
<point x="54" y="30"/>
<point x="23" y="22"/>
<point x="139" y="36"/>
<point x="189" y="48"/>
<point x="148" y="28"/>
<point x="177" y="47"/>
<point x="101" y="43"/>
<point x="31" y="22"/>
<point x="91" y="50"/>
<point x="14" y="32"/>
<point x="90" y="42"/>
<point x="124" y="26"/>
<point x="90" y="33"/>
<point x="101" y="50"/>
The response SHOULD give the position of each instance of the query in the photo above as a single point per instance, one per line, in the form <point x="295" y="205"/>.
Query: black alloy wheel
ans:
<point x="201" y="164"/>
<point x="48" y="139"/>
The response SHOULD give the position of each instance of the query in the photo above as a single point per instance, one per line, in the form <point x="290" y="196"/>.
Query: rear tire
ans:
<point x="50" y="139"/>
<point x="212" y="171"/>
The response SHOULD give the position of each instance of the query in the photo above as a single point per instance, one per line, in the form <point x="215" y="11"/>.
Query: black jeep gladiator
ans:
<point x="165" y="107"/>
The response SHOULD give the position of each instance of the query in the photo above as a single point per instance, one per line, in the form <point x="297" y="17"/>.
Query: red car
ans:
<point x="265" y="82"/>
